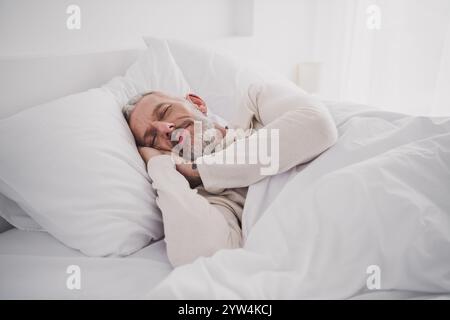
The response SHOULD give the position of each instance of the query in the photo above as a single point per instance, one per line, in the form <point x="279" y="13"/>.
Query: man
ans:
<point x="202" y="202"/>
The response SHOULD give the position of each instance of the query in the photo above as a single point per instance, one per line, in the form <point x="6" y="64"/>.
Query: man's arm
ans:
<point x="193" y="227"/>
<point x="305" y="128"/>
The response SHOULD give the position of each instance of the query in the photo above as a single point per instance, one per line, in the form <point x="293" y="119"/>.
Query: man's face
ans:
<point x="157" y="116"/>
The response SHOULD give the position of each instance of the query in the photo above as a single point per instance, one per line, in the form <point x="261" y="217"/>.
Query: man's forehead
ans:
<point x="158" y="96"/>
<point x="145" y="107"/>
<point x="148" y="102"/>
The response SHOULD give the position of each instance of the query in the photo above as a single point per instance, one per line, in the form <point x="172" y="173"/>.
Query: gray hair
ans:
<point x="131" y="104"/>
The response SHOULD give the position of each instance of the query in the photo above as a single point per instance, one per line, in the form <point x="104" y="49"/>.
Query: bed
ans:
<point x="34" y="265"/>
<point x="40" y="264"/>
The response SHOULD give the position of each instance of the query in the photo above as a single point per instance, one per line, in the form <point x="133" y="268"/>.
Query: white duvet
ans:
<point x="377" y="204"/>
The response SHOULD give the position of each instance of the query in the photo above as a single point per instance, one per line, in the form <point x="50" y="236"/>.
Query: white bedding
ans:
<point x="380" y="196"/>
<point x="33" y="265"/>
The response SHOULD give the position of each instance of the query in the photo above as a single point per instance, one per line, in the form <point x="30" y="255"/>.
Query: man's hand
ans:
<point x="187" y="169"/>
<point x="190" y="173"/>
<point x="148" y="153"/>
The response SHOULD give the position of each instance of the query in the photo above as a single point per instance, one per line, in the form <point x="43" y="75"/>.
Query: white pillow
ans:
<point x="16" y="216"/>
<point x="154" y="70"/>
<point x="4" y="225"/>
<point x="221" y="80"/>
<point x="72" y="164"/>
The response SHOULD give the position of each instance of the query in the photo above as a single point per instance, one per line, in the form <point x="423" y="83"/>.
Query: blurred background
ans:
<point x="394" y="54"/>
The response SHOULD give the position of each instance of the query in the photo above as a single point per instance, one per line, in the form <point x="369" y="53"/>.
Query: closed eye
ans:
<point x="164" y="112"/>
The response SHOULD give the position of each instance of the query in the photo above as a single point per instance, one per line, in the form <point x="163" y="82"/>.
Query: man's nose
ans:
<point x="164" y="128"/>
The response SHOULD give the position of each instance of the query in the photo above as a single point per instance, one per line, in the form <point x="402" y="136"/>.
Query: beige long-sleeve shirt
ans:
<point x="199" y="222"/>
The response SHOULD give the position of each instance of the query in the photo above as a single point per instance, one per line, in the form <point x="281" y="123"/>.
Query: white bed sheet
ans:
<point x="33" y="265"/>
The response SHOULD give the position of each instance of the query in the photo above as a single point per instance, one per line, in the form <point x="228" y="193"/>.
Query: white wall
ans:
<point x="39" y="27"/>
<point x="282" y="34"/>
<point x="277" y="33"/>
<point x="283" y="31"/>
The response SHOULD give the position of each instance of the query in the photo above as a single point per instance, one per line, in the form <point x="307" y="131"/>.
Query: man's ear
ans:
<point x="198" y="102"/>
